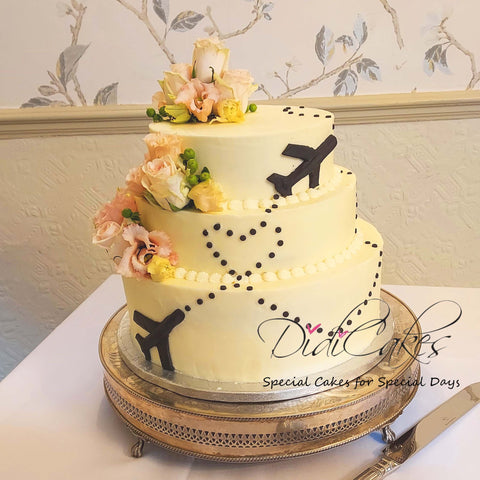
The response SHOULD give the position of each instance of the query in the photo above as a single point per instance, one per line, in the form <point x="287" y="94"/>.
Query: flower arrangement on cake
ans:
<point x="205" y="90"/>
<point x="168" y="179"/>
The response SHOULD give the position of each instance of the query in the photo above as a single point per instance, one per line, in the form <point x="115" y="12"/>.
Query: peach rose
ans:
<point x="236" y="84"/>
<point x="207" y="196"/>
<point x="142" y="247"/>
<point x="112" y="211"/>
<point x="106" y="234"/>
<point x="159" y="145"/>
<point x="134" y="181"/>
<point x="199" y="98"/>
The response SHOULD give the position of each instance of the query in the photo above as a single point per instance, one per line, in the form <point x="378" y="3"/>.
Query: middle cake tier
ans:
<point x="280" y="233"/>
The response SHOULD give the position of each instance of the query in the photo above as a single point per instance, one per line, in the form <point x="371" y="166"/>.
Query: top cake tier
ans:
<point x="241" y="156"/>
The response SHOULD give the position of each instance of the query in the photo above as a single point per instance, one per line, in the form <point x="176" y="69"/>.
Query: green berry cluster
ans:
<point x="160" y="116"/>
<point x="191" y="164"/>
<point x="133" y="216"/>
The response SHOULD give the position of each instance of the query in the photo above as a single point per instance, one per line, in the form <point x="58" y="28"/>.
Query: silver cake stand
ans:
<point x="263" y="431"/>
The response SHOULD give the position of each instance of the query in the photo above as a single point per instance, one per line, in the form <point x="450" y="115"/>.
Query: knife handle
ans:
<point x="379" y="470"/>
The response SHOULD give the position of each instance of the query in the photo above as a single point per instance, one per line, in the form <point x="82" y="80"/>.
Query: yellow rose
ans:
<point x="207" y="196"/>
<point x="229" y="110"/>
<point x="160" y="269"/>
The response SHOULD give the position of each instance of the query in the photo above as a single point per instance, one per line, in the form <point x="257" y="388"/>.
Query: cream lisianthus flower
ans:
<point x="207" y="196"/>
<point x="236" y="84"/>
<point x="210" y="57"/>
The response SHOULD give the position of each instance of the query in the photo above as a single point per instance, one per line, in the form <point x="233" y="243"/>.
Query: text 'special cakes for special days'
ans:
<point x="237" y="237"/>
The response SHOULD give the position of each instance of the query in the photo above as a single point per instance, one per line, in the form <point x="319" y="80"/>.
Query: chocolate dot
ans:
<point x="280" y="243"/>
<point x="359" y="312"/>
<point x="267" y="210"/>
<point x="301" y="114"/>
<point x="296" y="319"/>
<point x="216" y="254"/>
<point x="209" y="244"/>
<point x="211" y="295"/>
<point x="205" y="233"/>
<point x="188" y="308"/>
<point x="367" y="242"/>
<point x="273" y="307"/>
<point x="229" y="233"/>
<point x="379" y="264"/>
<point x="374" y="245"/>
<point x="301" y="106"/>
<point x="316" y="115"/>
<point x="285" y="314"/>
<point x="236" y="285"/>
<point x="330" y="334"/>
<point x="249" y="288"/>
<point x="278" y="229"/>
<point x="319" y="330"/>
<point x="223" y="287"/>
<point x="216" y="226"/>
<point x="349" y="173"/>
<point x="274" y="205"/>
<point x="239" y="277"/>
<point x="290" y="113"/>
<point x="261" y="301"/>
<point x="381" y="253"/>
<point x="328" y="116"/>
<point x="355" y="230"/>
<point x="349" y="322"/>
<point x="243" y="238"/>
<point x="232" y="272"/>
<point x="224" y="262"/>
<point x="365" y="302"/>
<point x="248" y="273"/>
<point x="199" y="301"/>
<point x="376" y="275"/>
<point x="263" y="224"/>
<point x="374" y="284"/>
<point x="253" y="231"/>
<point x="369" y="294"/>
<point x="258" y="265"/>
<point x="276" y="196"/>
<point x="271" y="255"/>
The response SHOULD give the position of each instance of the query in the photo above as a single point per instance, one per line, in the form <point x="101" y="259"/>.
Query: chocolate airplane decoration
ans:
<point x="312" y="159"/>
<point x="158" y="335"/>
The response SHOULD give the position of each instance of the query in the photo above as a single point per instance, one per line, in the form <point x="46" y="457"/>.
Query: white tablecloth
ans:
<point x="55" y="422"/>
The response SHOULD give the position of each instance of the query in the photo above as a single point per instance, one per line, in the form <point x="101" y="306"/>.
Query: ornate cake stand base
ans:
<point x="266" y="431"/>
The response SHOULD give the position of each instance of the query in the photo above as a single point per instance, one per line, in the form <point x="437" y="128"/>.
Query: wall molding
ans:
<point x="361" y="109"/>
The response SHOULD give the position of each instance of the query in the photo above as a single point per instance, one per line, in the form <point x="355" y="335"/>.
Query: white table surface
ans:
<point x="55" y="422"/>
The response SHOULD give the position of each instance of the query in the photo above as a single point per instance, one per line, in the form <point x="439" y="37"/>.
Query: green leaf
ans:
<point x="68" y="61"/>
<point x="161" y="7"/>
<point x="186" y="21"/>
<point x="150" y="199"/>
<point x="107" y="95"/>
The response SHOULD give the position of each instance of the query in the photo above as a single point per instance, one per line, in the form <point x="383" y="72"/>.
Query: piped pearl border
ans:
<point x="310" y="194"/>
<point x="283" y="274"/>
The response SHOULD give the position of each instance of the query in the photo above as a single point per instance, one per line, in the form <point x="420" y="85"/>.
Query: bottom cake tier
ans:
<point x="274" y="327"/>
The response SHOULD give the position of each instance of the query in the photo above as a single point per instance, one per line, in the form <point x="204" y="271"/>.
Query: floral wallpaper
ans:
<point x="82" y="52"/>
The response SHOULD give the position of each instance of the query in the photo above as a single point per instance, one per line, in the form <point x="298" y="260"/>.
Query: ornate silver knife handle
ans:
<point x="379" y="470"/>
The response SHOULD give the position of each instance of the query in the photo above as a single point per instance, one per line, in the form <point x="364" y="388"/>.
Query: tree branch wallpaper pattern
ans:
<point x="113" y="51"/>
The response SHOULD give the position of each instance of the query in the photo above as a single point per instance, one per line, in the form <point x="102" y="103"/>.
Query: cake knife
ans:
<point x="422" y="433"/>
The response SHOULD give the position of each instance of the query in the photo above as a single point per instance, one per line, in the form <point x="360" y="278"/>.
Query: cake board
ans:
<point x="243" y="432"/>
